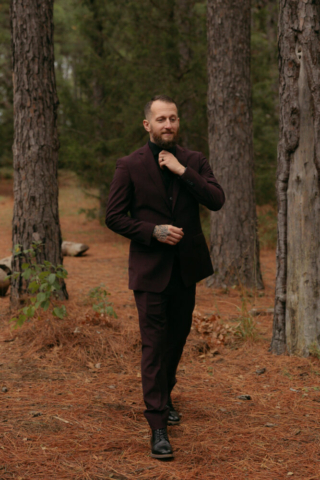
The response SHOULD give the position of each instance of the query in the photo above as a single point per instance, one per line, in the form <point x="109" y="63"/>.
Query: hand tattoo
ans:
<point x="160" y="232"/>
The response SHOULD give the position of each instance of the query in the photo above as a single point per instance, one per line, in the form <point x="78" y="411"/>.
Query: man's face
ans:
<point x="163" y="124"/>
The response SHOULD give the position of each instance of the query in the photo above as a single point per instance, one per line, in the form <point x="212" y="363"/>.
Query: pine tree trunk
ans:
<point x="234" y="241"/>
<point x="297" y="305"/>
<point x="97" y="40"/>
<point x="35" y="148"/>
<point x="183" y="16"/>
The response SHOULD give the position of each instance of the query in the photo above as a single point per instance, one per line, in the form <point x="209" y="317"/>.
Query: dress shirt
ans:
<point x="166" y="174"/>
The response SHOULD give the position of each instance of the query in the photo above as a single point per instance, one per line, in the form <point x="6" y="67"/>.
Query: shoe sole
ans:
<point x="167" y="455"/>
<point x="173" y="423"/>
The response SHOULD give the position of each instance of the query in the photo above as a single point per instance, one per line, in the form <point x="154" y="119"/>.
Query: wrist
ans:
<point x="181" y="170"/>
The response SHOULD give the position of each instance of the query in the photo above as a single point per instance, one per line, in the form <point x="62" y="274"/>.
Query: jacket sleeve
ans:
<point x="120" y="197"/>
<point x="203" y="185"/>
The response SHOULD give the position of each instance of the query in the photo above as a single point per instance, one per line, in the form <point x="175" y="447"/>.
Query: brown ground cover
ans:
<point x="73" y="407"/>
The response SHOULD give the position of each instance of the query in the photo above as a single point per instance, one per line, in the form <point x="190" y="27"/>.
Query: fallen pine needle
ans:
<point x="61" y="419"/>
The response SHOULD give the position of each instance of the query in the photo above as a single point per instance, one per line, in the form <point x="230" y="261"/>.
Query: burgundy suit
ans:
<point x="163" y="276"/>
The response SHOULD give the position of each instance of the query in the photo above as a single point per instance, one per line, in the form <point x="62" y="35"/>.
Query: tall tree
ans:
<point x="297" y="305"/>
<point x="185" y="29"/>
<point x="265" y="97"/>
<point x="234" y="240"/>
<point x="97" y="37"/>
<point x="35" y="148"/>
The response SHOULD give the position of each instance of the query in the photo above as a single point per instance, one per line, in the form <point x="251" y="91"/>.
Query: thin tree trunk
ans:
<point x="35" y="148"/>
<point x="183" y="17"/>
<point x="98" y="95"/>
<point x="297" y="305"/>
<point x="234" y="240"/>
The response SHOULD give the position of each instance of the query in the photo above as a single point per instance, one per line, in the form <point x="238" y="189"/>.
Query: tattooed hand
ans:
<point x="168" y="234"/>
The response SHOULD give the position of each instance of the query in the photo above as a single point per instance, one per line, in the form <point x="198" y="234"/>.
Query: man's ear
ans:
<point x="146" y="125"/>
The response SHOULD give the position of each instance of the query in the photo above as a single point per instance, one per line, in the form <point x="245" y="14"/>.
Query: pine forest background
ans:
<point x="112" y="56"/>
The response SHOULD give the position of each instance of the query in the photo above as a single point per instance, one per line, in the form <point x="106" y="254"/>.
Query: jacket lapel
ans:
<point x="176" y="184"/>
<point x="150" y="165"/>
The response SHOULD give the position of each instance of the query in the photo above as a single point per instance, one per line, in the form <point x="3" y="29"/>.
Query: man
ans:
<point x="161" y="185"/>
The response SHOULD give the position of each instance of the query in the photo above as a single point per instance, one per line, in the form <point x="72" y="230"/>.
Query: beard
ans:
<point x="165" y="144"/>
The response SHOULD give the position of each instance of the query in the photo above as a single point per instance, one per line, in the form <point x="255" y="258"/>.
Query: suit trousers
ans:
<point x="165" y="321"/>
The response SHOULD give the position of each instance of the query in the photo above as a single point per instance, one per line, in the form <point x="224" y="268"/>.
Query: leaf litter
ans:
<point x="88" y="430"/>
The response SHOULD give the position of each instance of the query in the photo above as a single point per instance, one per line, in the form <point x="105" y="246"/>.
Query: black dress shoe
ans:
<point x="160" y="446"/>
<point x="174" y="417"/>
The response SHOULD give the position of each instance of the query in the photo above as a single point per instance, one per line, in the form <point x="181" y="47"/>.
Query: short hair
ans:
<point x="162" y="98"/>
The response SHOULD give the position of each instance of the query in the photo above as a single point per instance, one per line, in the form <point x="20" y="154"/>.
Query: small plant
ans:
<point x="314" y="350"/>
<point x="247" y="328"/>
<point x="103" y="306"/>
<point x="287" y="374"/>
<point x="43" y="283"/>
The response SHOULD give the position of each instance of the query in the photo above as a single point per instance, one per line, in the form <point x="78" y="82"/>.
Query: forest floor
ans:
<point x="70" y="390"/>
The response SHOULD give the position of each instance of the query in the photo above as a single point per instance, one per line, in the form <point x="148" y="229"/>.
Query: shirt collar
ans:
<point x="155" y="149"/>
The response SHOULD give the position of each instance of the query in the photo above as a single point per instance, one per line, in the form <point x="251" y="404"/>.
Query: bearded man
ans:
<point x="161" y="185"/>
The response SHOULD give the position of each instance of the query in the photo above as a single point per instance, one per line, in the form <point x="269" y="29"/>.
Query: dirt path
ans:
<point x="73" y="407"/>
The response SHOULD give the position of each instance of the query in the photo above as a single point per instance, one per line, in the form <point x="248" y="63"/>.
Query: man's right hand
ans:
<point x="168" y="234"/>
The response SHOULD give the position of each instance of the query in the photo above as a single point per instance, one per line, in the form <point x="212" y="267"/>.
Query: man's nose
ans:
<point x="167" y="123"/>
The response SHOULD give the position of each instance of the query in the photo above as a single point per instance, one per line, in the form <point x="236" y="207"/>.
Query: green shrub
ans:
<point x="103" y="306"/>
<point x="43" y="284"/>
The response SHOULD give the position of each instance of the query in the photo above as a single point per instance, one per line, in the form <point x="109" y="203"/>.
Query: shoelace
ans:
<point x="161" y="434"/>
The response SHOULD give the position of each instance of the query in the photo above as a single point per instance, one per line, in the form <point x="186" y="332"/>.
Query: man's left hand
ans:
<point x="166" y="159"/>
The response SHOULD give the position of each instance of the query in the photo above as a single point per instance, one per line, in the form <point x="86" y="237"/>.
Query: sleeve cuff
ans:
<point x="182" y="176"/>
<point x="186" y="177"/>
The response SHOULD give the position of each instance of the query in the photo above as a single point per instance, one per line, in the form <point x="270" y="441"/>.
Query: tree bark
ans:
<point x="234" y="240"/>
<point x="35" y="147"/>
<point x="297" y="305"/>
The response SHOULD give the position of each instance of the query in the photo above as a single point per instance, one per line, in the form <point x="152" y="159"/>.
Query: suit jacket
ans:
<point x="138" y="201"/>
